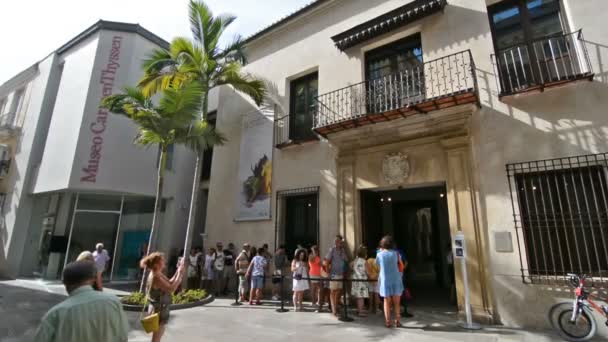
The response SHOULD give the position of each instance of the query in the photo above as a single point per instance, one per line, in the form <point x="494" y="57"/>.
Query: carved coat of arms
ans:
<point x="395" y="168"/>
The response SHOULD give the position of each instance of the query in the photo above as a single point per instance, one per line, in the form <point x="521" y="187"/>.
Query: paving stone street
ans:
<point x="23" y="303"/>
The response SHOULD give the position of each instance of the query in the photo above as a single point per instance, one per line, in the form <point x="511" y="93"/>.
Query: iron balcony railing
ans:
<point x="289" y="131"/>
<point x="447" y="76"/>
<point x="281" y="130"/>
<point x="542" y="62"/>
<point x="7" y="120"/>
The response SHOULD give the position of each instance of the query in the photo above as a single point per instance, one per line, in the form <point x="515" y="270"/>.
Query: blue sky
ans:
<point x="33" y="29"/>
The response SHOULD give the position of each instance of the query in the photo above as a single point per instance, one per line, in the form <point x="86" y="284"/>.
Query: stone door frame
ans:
<point x="454" y="152"/>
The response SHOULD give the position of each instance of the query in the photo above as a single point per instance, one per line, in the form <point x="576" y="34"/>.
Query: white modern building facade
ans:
<point x="71" y="174"/>
<point x="429" y="119"/>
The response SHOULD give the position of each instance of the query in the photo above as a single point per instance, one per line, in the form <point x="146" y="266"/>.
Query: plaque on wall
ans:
<point x="395" y="168"/>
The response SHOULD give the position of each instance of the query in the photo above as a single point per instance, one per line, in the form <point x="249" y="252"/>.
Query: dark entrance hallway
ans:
<point x="418" y="220"/>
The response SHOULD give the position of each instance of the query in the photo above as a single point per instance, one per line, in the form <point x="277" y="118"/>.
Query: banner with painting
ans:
<point x="254" y="190"/>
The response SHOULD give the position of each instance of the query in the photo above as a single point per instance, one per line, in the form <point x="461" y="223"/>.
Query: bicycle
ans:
<point x="576" y="323"/>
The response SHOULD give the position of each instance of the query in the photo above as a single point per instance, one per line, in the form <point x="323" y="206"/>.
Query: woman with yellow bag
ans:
<point x="159" y="290"/>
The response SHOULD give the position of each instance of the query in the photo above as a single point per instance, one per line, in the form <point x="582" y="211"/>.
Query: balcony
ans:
<point x="7" y="125"/>
<point x="441" y="83"/>
<point x="288" y="133"/>
<point x="543" y="63"/>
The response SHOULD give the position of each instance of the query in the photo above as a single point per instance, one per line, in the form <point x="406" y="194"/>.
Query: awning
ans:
<point x="399" y="17"/>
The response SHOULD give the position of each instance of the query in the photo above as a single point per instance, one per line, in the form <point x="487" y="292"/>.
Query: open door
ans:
<point x="371" y="212"/>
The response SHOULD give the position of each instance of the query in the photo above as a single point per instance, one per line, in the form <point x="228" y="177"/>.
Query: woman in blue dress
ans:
<point x="390" y="283"/>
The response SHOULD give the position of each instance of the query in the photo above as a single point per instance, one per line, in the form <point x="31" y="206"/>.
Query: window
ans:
<point x="405" y="54"/>
<point x="532" y="47"/>
<point x="302" y="221"/>
<point x="302" y="104"/>
<point x="15" y="105"/>
<point x="515" y="22"/>
<point x="395" y="74"/>
<point x="562" y="214"/>
<point x="2" y="105"/>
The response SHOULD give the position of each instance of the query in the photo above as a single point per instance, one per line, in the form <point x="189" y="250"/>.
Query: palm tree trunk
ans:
<point x="157" y="207"/>
<point x="193" y="202"/>
<point x="196" y="183"/>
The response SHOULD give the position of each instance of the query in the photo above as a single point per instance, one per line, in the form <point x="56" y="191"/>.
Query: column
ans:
<point x="463" y="218"/>
<point x="347" y="201"/>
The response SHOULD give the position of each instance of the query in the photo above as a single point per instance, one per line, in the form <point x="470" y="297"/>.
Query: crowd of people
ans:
<point x="376" y="278"/>
<point x="373" y="280"/>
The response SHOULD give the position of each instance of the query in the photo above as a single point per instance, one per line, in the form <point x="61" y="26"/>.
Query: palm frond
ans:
<point x="126" y="103"/>
<point x="234" y="51"/>
<point x="217" y="26"/>
<point x="183" y="103"/>
<point x="200" y="15"/>
<point x="157" y="60"/>
<point x="200" y="136"/>
<point x="147" y="137"/>
<point x="231" y="74"/>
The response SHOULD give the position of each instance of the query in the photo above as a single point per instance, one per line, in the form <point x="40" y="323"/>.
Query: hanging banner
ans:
<point x="254" y="190"/>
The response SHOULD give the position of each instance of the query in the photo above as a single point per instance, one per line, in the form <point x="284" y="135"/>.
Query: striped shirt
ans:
<point x="86" y="315"/>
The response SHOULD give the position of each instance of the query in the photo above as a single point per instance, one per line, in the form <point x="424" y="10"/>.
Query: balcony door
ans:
<point x="394" y="74"/>
<point x="530" y="44"/>
<point x="302" y="104"/>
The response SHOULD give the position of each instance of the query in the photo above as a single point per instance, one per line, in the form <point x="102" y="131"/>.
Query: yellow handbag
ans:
<point x="150" y="323"/>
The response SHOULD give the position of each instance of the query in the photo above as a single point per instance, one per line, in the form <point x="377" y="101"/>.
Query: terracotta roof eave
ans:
<point x="401" y="16"/>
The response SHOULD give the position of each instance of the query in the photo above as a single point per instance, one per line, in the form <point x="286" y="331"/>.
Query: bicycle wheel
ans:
<point x="552" y="315"/>
<point x="583" y="329"/>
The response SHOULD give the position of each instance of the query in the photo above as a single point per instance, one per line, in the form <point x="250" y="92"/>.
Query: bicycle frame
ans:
<point x="584" y="299"/>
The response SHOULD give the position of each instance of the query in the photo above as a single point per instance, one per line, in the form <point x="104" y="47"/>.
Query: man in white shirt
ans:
<point x="101" y="260"/>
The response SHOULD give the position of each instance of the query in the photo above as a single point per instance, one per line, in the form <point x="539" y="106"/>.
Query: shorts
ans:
<point x="373" y="287"/>
<point x="228" y="271"/>
<point x="315" y="279"/>
<point x="335" y="285"/>
<point x="257" y="282"/>
<point x="242" y="282"/>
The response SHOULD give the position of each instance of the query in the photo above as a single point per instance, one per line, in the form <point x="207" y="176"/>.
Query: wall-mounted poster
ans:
<point x="254" y="190"/>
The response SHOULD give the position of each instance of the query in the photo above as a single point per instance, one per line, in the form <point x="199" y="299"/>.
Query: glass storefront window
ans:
<point x="132" y="240"/>
<point x="90" y="228"/>
<point x="121" y="223"/>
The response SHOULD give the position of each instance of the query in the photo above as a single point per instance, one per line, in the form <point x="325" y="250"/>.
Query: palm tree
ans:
<point x="203" y="61"/>
<point x="174" y="121"/>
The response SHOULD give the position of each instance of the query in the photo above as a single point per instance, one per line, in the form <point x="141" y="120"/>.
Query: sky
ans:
<point x="33" y="29"/>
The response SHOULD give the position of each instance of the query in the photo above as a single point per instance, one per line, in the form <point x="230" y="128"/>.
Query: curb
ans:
<point x="205" y="301"/>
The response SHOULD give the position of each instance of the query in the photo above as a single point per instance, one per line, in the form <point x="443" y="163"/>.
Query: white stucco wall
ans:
<point x="17" y="208"/>
<point x="58" y="159"/>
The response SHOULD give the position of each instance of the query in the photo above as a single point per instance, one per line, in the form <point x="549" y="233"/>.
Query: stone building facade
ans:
<point x="426" y="119"/>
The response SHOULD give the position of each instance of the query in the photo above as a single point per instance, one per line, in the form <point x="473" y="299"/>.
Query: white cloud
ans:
<point x="30" y="30"/>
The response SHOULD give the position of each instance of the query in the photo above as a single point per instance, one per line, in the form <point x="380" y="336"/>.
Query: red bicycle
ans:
<point x="575" y="321"/>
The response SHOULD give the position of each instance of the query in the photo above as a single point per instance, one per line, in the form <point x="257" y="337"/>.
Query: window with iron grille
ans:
<point x="560" y="208"/>
<point x="297" y="220"/>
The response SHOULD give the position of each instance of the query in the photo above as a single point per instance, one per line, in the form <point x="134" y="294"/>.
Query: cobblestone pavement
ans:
<point x="21" y="308"/>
